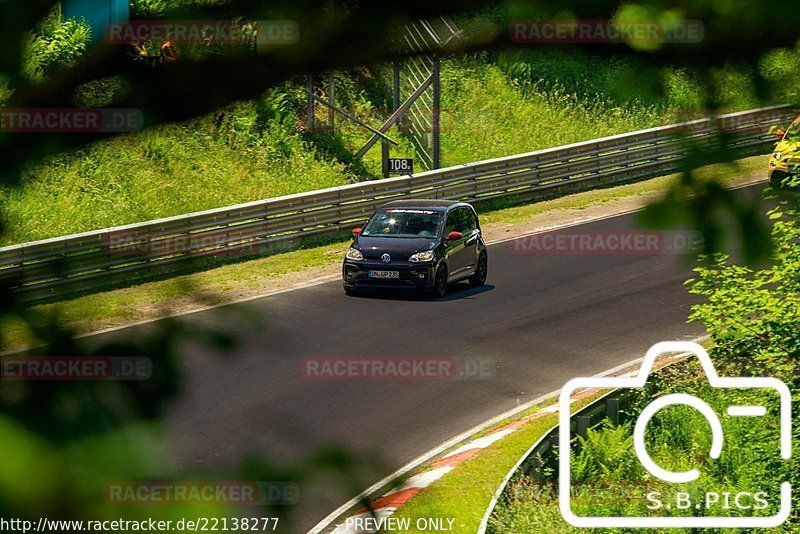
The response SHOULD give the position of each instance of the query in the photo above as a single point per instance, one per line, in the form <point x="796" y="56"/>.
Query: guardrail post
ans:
<point x="534" y="467"/>
<point x="583" y="422"/>
<point x="554" y="441"/>
<point x="385" y="157"/>
<point x="612" y="410"/>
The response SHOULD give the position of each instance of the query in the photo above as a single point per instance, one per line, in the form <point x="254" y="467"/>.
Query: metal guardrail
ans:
<point x="536" y="458"/>
<point x="121" y="255"/>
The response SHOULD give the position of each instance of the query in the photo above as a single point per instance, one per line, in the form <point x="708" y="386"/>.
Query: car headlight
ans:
<point x="354" y="254"/>
<point x="422" y="256"/>
<point x="778" y="156"/>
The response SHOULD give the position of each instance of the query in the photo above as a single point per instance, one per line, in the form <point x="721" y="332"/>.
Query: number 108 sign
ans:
<point x="401" y="165"/>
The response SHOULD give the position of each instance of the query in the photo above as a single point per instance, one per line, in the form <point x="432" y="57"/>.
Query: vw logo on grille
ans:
<point x="385" y="258"/>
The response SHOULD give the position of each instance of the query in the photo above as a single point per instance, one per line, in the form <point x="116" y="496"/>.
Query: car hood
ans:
<point x="398" y="247"/>
<point x="787" y="147"/>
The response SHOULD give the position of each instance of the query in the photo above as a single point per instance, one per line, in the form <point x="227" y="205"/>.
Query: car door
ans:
<point x="456" y="249"/>
<point x="471" y="236"/>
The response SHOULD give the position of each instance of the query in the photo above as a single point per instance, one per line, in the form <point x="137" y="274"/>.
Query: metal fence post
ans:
<point x="395" y="86"/>
<point x="332" y="100"/>
<point x="310" y="104"/>
<point x="436" y="114"/>
<point x="385" y="157"/>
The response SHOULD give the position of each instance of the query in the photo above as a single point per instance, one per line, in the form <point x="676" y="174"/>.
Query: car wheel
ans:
<point x="776" y="179"/>
<point x="440" y="283"/>
<point x="479" y="278"/>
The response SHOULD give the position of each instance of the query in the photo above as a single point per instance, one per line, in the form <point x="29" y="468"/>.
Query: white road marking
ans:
<point x="481" y="443"/>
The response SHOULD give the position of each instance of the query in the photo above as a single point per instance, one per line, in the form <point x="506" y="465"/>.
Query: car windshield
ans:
<point x="395" y="222"/>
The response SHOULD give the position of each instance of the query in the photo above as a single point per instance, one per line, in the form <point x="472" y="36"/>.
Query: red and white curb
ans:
<point x="386" y="505"/>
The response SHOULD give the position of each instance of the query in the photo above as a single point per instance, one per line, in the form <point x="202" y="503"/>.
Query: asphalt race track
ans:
<point x="542" y="319"/>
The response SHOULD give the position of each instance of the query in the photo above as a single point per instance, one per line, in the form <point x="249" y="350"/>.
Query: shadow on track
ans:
<point x="457" y="291"/>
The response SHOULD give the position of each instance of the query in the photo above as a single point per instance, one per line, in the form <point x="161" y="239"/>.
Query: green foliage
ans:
<point x="494" y="110"/>
<point x="752" y="314"/>
<point x="615" y="80"/>
<point x="100" y="93"/>
<point x="246" y="151"/>
<point x="752" y="317"/>
<point x="261" y="148"/>
<point x="606" y="453"/>
<point x="54" y="44"/>
<point x="608" y="479"/>
<point x="781" y="68"/>
<point x="684" y="90"/>
<point x="148" y="8"/>
<point x="5" y="89"/>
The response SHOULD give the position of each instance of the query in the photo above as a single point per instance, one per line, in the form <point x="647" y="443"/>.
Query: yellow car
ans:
<point x="785" y="161"/>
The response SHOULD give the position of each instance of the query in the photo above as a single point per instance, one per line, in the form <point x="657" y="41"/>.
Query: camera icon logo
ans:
<point x="639" y="381"/>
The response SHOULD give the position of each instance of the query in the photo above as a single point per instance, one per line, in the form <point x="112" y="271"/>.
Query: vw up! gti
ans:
<point x="417" y="244"/>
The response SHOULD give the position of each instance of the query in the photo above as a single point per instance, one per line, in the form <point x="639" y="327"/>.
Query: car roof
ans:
<point x="434" y="205"/>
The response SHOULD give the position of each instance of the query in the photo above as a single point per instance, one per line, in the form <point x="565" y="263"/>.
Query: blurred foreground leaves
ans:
<point x="63" y="441"/>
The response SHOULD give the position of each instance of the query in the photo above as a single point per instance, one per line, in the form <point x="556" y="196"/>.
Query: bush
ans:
<point x="54" y="44"/>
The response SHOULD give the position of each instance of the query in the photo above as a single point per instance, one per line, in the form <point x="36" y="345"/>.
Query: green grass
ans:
<point x="169" y="170"/>
<point x="608" y="479"/>
<point x="491" y="107"/>
<point x="480" y="121"/>
<point x="464" y="493"/>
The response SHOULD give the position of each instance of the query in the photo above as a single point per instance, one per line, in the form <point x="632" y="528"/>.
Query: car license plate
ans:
<point x="384" y="274"/>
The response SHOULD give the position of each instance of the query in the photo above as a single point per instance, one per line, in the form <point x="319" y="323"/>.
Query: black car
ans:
<point x="417" y="244"/>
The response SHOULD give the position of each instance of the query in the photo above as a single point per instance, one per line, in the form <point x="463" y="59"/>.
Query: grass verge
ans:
<point x="464" y="493"/>
<point x="608" y="479"/>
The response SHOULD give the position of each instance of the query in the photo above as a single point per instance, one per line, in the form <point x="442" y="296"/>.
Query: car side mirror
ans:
<point x="780" y="133"/>
<point x="356" y="232"/>
<point x="454" y="236"/>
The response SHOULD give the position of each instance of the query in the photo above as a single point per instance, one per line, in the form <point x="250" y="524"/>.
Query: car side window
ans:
<point x="454" y="221"/>
<point x="470" y="222"/>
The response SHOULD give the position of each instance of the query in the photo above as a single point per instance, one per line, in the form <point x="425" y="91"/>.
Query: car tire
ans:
<point x="776" y="179"/>
<point x="439" y="288"/>
<point x="481" y="271"/>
